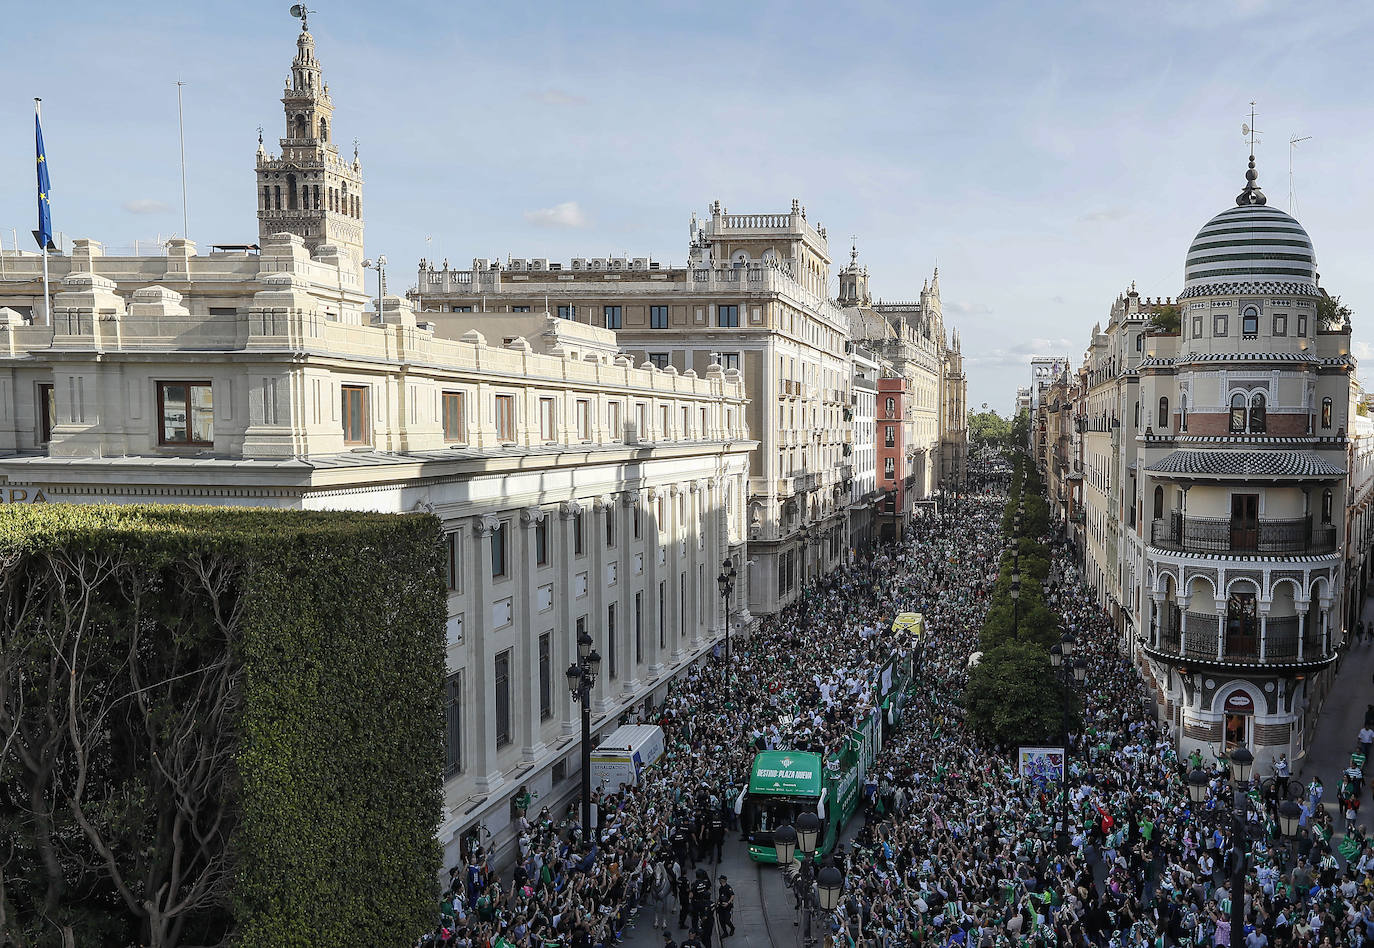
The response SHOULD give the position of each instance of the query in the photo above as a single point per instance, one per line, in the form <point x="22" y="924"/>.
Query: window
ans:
<point x="451" y="541"/>
<point x="547" y="431"/>
<point x="503" y="698"/>
<point x="612" y="666"/>
<point x="1326" y="505"/>
<point x="47" y="411"/>
<point x="577" y="533"/>
<point x="890" y="436"/>
<point x="1326" y="412"/>
<point x="453" y="723"/>
<point x="545" y="676"/>
<point x="455" y="427"/>
<point x="1183" y="412"/>
<point x="505" y="417"/>
<point x="634" y="519"/>
<point x="460" y="309"/>
<point x="890" y="468"/>
<point x="519" y="309"/>
<point x="610" y="526"/>
<point x="639" y="627"/>
<point x="1159" y="503"/>
<point x="1257" y="419"/>
<point x="1237" y="413"/>
<point x="664" y="421"/>
<point x="1280" y="325"/>
<point x="541" y="542"/>
<point x="1197" y="326"/>
<point x="659" y="360"/>
<point x="187" y="413"/>
<point x="729" y="360"/>
<point x="1302" y="324"/>
<point x="1219" y="325"/>
<point x="641" y="419"/>
<point x="891" y="406"/>
<point x="567" y="312"/>
<point x="727" y="317"/>
<point x="613" y="420"/>
<point x="498" y="551"/>
<point x="658" y="317"/>
<point x="612" y="314"/>
<point x="1139" y="339"/>
<point x="1137" y="414"/>
<point x="1249" y="322"/>
<point x="1163" y="413"/>
<point x="584" y="420"/>
<point x="1242" y="623"/>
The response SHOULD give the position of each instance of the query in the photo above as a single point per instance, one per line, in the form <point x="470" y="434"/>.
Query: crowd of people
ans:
<point x="955" y="847"/>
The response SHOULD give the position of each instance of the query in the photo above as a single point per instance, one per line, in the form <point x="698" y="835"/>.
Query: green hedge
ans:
<point x="295" y="660"/>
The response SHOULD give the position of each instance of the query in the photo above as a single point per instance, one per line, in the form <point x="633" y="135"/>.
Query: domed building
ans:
<point x="1240" y="486"/>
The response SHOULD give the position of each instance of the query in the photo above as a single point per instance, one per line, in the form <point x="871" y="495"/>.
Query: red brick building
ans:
<point x="888" y="433"/>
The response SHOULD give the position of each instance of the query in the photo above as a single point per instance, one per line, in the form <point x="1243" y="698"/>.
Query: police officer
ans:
<point x="715" y="833"/>
<point x="692" y="941"/>
<point x="701" y="901"/>
<point x="725" y="908"/>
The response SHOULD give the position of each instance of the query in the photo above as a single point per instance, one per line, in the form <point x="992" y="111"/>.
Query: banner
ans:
<point x="1041" y="765"/>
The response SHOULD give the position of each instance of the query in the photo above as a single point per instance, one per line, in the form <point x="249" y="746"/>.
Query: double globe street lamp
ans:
<point x="1075" y="673"/>
<point x="1289" y="816"/>
<point x="582" y="676"/>
<point x="726" y="582"/>
<point x="822" y="888"/>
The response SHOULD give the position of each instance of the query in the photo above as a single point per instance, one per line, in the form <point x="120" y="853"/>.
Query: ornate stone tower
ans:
<point x="309" y="190"/>
<point x="854" y="282"/>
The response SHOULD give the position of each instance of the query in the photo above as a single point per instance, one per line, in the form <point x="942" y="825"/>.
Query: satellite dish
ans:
<point x="298" y="10"/>
<point x="1244" y="126"/>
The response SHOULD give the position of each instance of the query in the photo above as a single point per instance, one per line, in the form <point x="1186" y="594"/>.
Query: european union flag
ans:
<point x="44" y="232"/>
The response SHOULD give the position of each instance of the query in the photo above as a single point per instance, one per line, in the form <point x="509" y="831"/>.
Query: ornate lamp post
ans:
<point x="581" y="680"/>
<point x="1242" y="760"/>
<point x="804" y="840"/>
<point x="1074" y="674"/>
<point x="726" y="582"/>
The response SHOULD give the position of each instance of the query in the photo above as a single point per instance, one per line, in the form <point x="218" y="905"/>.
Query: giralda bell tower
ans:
<point x="310" y="190"/>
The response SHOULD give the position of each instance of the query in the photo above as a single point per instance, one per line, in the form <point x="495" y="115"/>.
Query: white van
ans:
<point x="622" y="757"/>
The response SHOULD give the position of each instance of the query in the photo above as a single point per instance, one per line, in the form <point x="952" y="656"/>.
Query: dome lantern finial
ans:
<point x="1251" y="193"/>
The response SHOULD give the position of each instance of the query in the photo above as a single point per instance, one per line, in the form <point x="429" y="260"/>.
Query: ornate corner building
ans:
<point x="1224" y="531"/>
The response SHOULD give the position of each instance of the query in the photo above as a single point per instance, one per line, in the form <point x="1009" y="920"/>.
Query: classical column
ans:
<point x="625" y="582"/>
<point x="649" y="528"/>
<point x="1301" y="606"/>
<point x="1221" y="632"/>
<point x="483" y="700"/>
<point x="1183" y="603"/>
<point x="1157" y="597"/>
<point x="687" y="544"/>
<point x="1264" y="608"/>
<point x="523" y="607"/>
<point x="597" y="598"/>
<point x="1325" y="615"/>
<point x="566" y="612"/>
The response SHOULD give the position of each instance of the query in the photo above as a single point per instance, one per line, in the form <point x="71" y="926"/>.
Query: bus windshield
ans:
<point x="762" y="815"/>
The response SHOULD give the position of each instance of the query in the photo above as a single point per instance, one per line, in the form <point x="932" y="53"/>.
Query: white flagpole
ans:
<point x="181" y="135"/>
<point x="47" y="295"/>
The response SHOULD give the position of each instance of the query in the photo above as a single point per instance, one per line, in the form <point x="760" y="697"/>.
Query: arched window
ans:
<point x="1257" y="419"/>
<point x="1159" y="503"/>
<point x="1326" y="412"/>
<point x="1183" y="412"/>
<point x="1163" y="412"/>
<point x="291" y="192"/>
<point x="324" y="130"/>
<point x="316" y="196"/>
<point x="1326" y="505"/>
<point x="276" y="189"/>
<point x="1249" y="324"/>
<point x="1242" y="622"/>
<point x="266" y="198"/>
<point x="1137" y="414"/>
<point x="300" y="126"/>
<point x="1238" y="413"/>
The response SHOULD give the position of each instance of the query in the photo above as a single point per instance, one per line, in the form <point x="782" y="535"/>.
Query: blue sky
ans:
<point x="1043" y="155"/>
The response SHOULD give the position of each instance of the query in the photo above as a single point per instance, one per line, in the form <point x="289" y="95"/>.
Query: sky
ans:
<point x="1043" y="155"/>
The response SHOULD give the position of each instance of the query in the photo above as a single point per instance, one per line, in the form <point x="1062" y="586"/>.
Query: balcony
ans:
<point x="1203" y="644"/>
<point x="1260" y="538"/>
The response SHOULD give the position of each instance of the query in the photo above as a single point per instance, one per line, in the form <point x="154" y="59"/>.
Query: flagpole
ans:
<point x="47" y="296"/>
<point x="181" y="135"/>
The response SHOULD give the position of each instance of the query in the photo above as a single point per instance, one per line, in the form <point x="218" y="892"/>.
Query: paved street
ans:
<point x="1340" y="721"/>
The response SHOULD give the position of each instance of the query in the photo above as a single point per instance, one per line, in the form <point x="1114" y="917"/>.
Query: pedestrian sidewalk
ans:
<point x="1340" y="721"/>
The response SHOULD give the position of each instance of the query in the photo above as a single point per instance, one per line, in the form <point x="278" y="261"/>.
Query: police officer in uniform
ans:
<point x="715" y="834"/>
<point x="701" y="902"/>
<point x="725" y="908"/>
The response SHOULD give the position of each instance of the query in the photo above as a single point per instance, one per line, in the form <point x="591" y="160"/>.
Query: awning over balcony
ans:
<point x="1245" y="464"/>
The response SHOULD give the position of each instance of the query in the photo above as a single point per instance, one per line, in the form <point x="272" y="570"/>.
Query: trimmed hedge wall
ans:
<point x="330" y="792"/>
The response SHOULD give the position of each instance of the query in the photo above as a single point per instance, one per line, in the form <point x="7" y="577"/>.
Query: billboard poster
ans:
<point x="1041" y="765"/>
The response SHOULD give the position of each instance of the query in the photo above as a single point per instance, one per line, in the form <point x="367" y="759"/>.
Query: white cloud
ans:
<point x="1104" y="215"/>
<point x="567" y="214"/>
<point x="146" y="206"/>
<point x="558" y="97"/>
<point x="967" y="309"/>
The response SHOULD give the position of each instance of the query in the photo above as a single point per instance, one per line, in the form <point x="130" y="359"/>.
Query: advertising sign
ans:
<point x="1041" y="765"/>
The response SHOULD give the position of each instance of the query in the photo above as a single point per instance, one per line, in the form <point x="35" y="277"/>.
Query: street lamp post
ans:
<point x="726" y="581"/>
<point x="1075" y="673"/>
<point x="380" y="266"/>
<point x="1198" y="785"/>
<point x="804" y="840"/>
<point x="582" y="676"/>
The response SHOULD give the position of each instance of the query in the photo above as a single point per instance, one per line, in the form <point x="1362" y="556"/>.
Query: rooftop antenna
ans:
<point x="299" y="11"/>
<point x="1248" y="129"/>
<point x="1292" y="195"/>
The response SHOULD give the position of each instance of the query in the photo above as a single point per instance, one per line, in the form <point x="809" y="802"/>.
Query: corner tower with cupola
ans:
<point x="309" y="190"/>
<point x="1242" y="457"/>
